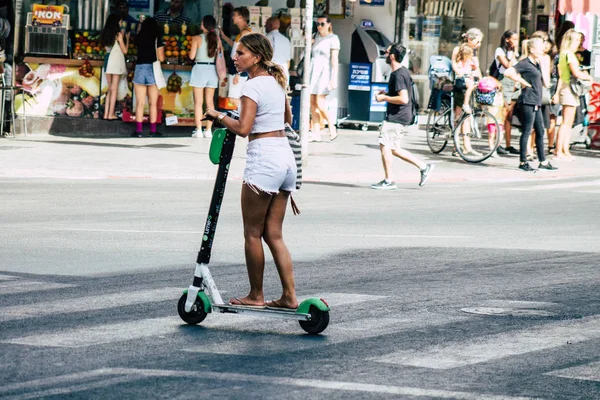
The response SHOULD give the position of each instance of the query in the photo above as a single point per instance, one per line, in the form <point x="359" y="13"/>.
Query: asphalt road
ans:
<point x="453" y="291"/>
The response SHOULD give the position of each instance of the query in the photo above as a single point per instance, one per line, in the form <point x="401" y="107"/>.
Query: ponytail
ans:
<point x="276" y="72"/>
<point x="212" y="40"/>
<point x="212" y="43"/>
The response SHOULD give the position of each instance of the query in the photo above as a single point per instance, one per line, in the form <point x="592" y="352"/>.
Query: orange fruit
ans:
<point x="175" y="53"/>
<point x="168" y="53"/>
<point x="174" y="43"/>
<point x="168" y="48"/>
<point x="183" y="53"/>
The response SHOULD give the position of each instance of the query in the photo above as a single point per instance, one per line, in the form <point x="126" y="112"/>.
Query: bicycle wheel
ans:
<point x="439" y="128"/>
<point x="476" y="136"/>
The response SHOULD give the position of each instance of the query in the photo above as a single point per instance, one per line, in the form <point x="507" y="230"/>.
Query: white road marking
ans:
<point x="110" y="333"/>
<point x="8" y="277"/>
<point x="24" y="286"/>
<point x="336" y="333"/>
<point x="493" y="347"/>
<point x="119" y="375"/>
<point x="551" y="186"/>
<point x="102" y="334"/>
<point x="587" y="372"/>
<point x="89" y="303"/>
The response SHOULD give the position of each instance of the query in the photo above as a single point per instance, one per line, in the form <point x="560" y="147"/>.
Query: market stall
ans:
<point x="75" y="86"/>
<point x="60" y="72"/>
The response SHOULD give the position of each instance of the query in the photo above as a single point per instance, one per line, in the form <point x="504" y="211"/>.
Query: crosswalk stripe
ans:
<point x="551" y="186"/>
<point x="89" y="303"/>
<point x="25" y="286"/>
<point x="153" y="327"/>
<point x="102" y="334"/>
<point x="336" y="333"/>
<point x="493" y="347"/>
<point x="587" y="372"/>
<point x="8" y="277"/>
<point x="120" y="375"/>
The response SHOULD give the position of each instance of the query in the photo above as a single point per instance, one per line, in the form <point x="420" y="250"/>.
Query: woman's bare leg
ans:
<point x="273" y="235"/>
<point x="140" y="101"/>
<point x="198" y="103"/>
<point x="254" y="212"/>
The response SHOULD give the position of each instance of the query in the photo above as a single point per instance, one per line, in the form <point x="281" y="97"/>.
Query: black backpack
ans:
<point x="494" y="70"/>
<point x="415" y="106"/>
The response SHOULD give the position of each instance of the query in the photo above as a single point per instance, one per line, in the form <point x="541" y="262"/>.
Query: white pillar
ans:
<point x="305" y="96"/>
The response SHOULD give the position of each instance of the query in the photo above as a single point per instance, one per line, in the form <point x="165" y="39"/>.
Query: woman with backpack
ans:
<point x="505" y="56"/>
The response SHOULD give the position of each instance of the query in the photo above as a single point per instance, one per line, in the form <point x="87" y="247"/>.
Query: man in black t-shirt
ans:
<point x="398" y="116"/>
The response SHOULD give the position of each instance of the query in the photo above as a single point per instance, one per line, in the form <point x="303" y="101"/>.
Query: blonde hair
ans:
<point x="260" y="45"/>
<point x="534" y="42"/>
<point x="524" y="49"/>
<point x="464" y="52"/>
<point x="472" y="34"/>
<point x="570" y="41"/>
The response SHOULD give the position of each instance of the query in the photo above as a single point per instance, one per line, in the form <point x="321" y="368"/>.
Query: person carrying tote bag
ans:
<point x="148" y="77"/>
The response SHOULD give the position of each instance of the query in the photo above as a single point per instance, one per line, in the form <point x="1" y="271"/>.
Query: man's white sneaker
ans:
<point x="207" y="134"/>
<point x="197" y="133"/>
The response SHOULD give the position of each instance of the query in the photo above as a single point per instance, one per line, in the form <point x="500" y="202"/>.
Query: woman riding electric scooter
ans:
<point x="270" y="173"/>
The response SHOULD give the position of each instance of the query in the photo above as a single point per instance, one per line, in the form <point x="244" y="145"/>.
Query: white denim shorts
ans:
<point x="390" y="134"/>
<point x="270" y="165"/>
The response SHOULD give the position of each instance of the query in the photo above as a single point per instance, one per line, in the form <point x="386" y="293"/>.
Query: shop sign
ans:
<point x="376" y="106"/>
<point x="145" y="4"/>
<point x="372" y="2"/>
<point x="360" y="77"/>
<point x="47" y="14"/>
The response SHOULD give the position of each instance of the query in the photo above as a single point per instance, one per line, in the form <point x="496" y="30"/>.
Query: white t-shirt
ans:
<point x="281" y="47"/>
<point x="510" y="55"/>
<point x="269" y="97"/>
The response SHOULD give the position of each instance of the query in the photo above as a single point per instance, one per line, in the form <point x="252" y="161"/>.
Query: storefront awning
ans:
<point x="579" y="6"/>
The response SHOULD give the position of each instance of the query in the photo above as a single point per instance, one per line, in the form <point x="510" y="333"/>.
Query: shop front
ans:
<point x="59" y="68"/>
<point x="61" y="76"/>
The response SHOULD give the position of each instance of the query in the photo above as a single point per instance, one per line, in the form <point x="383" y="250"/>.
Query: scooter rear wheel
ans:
<point x="196" y="315"/>
<point x="318" y="321"/>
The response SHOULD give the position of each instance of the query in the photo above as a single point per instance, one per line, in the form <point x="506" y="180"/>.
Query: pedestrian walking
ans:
<point x="270" y="174"/>
<point x="116" y="45"/>
<point x="528" y="73"/>
<point x="204" y="77"/>
<point x="399" y="115"/>
<point x="323" y="76"/>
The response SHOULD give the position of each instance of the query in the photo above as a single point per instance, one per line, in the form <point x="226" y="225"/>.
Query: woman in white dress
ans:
<point x="323" y="76"/>
<point x="114" y="62"/>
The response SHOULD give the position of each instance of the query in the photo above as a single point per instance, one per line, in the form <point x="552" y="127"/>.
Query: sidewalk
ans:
<point x="353" y="158"/>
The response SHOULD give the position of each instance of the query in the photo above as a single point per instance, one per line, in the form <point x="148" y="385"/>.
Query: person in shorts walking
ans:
<point x="398" y="118"/>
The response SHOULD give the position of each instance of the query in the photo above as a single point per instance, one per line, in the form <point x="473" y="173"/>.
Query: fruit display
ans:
<point x="178" y="45"/>
<point x="86" y="69"/>
<point x="174" y="83"/>
<point x="86" y="46"/>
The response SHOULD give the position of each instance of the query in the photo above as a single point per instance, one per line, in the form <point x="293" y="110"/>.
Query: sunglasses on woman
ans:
<point x="321" y="23"/>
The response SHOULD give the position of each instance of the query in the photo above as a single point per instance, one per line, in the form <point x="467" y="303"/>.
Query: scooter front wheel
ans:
<point x="318" y="321"/>
<point x="196" y="315"/>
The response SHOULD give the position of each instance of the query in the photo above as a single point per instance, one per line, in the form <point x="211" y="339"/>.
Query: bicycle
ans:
<point x="476" y="136"/>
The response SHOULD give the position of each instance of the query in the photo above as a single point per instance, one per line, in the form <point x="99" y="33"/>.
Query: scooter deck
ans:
<point x="265" y="312"/>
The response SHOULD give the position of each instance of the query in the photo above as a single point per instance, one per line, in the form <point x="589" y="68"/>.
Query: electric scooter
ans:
<point x="202" y="297"/>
